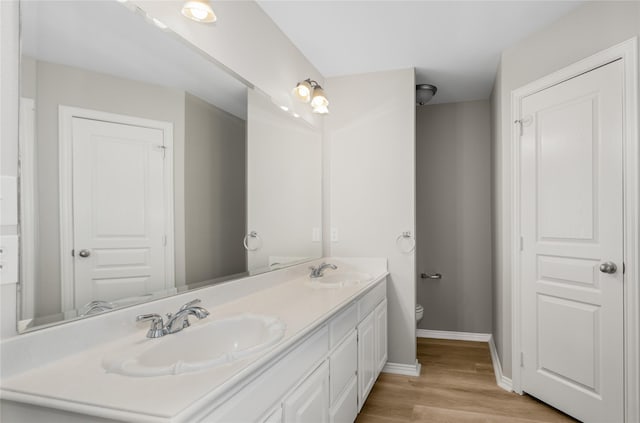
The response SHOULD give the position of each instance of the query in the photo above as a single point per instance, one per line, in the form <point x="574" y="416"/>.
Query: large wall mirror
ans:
<point x="145" y="169"/>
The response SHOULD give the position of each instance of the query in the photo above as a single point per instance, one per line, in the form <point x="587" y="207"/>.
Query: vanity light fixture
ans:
<point x="302" y="91"/>
<point x="199" y="11"/>
<point x="310" y="91"/>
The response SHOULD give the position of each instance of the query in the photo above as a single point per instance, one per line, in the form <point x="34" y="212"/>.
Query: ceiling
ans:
<point x="454" y="45"/>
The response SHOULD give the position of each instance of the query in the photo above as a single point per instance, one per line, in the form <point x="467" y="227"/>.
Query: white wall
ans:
<point x="370" y="185"/>
<point x="454" y="215"/>
<point x="283" y="185"/>
<point x="587" y="30"/>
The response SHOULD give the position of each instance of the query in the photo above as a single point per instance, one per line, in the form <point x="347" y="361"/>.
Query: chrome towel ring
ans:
<point x="252" y="234"/>
<point x="403" y="239"/>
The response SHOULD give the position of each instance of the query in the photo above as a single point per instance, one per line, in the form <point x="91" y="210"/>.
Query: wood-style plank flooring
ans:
<point x="456" y="385"/>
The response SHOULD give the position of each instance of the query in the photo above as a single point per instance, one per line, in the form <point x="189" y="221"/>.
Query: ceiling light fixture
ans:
<point x="424" y="93"/>
<point x="310" y="91"/>
<point x="199" y="11"/>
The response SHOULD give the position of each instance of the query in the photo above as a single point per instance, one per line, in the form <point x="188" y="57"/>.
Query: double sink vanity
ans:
<point x="155" y="181"/>
<point x="276" y="347"/>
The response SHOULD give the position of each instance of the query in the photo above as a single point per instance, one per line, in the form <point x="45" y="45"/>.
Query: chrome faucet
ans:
<point x="180" y="320"/>
<point x="318" y="272"/>
<point x="175" y="322"/>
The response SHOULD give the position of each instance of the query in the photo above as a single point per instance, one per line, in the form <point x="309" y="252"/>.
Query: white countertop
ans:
<point x="78" y="382"/>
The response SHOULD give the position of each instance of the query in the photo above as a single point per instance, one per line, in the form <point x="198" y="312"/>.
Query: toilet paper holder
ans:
<point x="430" y="276"/>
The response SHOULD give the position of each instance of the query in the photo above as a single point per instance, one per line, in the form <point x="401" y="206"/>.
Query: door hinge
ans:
<point x="164" y="150"/>
<point x="521" y="359"/>
<point x="525" y="121"/>
<point x="73" y="253"/>
<point x="624" y="267"/>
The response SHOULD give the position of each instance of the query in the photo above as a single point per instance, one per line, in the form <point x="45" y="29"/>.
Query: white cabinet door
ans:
<point x="274" y="417"/>
<point x="381" y="336"/>
<point x="345" y="408"/>
<point x="366" y="357"/>
<point x="310" y="401"/>
<point x="343" y="365"/>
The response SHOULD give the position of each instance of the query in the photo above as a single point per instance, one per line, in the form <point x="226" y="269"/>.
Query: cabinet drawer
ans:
<point x="343" y="363"/>
<point x="342" y="324"/>
<point x="371" y="299"/>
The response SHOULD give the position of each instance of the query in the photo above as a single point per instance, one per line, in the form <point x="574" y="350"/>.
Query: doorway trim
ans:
<point x="628" y="52"/>
<point x="65" y="154"/>
<point x="28" y="207"/>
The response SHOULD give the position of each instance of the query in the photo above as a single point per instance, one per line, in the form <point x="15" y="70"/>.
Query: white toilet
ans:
<point x="419" y="313"/>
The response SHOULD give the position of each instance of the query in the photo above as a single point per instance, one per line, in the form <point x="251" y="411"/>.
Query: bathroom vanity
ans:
<point x="332" y="346"/>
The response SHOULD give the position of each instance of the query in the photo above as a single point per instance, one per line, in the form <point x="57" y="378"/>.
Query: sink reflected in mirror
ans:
<point x="339" y="280"/>
<point x="200" y="347"/>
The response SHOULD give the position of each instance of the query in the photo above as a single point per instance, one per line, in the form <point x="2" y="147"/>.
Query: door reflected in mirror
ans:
<point x="146" y="170"/>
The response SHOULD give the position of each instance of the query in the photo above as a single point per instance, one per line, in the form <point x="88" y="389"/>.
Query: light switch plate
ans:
<point x="334" y="235"/>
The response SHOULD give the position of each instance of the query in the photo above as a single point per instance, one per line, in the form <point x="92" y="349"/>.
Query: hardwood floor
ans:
<point x="456" y="385"/>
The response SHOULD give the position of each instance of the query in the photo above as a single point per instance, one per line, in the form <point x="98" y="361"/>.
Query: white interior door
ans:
<point x="571" y="220"/>
<point x="118" y="210"/>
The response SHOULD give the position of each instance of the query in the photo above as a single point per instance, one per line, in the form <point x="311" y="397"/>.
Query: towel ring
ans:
<point x="252" y="234"/>
<point x="404" y="236"/>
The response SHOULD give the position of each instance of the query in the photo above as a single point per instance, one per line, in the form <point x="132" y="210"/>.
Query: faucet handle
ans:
<point x="190" y="304"/>
<point x="157" y="324"/>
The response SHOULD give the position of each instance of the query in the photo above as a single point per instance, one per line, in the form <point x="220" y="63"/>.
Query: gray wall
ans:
<point x="63" y="85"/>
<point x="215" y="191"/>
<point x="453" y="171"/>
<point x="589" y="29"/>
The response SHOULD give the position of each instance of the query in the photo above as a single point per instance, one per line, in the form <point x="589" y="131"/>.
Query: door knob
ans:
<point x="608" y="267"/>
<point x="84" y="253"/>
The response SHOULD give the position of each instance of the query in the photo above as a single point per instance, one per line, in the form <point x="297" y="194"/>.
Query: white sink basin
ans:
<point x="339" y="279"/>
<point x="200" y="347"/>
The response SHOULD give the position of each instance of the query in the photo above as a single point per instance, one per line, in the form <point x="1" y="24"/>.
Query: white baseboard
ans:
<point x="456" y="336"/>
<point x="402" y="369"/>
<point x="501" y="380"/>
